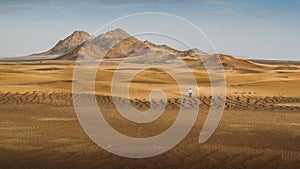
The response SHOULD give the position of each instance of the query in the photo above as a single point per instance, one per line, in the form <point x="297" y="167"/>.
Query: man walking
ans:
<point x="190" y="92"/>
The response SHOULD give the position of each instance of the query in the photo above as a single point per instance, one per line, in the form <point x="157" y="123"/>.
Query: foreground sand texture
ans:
<point x="260" y="127"/>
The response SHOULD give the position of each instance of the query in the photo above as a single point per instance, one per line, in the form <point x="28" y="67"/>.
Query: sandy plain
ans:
<point x="260" y="127"/>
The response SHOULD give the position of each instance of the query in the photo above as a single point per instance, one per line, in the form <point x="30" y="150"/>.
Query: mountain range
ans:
<point x="119" y="44"/>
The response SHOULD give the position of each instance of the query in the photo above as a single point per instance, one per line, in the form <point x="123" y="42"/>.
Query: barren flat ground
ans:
<point x="260" y="127"/>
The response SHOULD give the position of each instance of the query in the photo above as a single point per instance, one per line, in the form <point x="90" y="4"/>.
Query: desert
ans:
<point x="39" y="128"/>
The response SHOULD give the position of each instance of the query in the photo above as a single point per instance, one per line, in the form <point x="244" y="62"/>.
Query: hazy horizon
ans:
<point x="245" y="29"/>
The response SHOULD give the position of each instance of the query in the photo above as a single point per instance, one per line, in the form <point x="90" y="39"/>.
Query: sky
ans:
<point x="247" y="29"/>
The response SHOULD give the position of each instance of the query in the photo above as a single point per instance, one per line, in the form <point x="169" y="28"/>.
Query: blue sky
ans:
<point x="257" y="29"/>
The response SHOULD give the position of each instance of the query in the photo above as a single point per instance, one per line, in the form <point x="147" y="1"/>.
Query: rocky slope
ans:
<point x="68" y="44"/>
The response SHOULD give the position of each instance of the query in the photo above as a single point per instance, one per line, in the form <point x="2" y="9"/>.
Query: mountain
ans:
<point x="68" y="44"/>
<point x="113" y="44"/>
